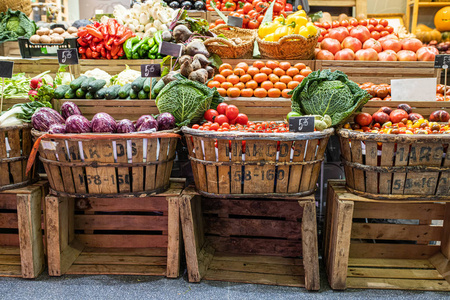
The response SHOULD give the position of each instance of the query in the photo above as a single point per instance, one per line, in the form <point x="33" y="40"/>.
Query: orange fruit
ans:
<point x="274" y="78"/>
<point x="280" y="85"/>
<point x="225" y="67"/>
<point x="240" y="85"/>
<point x="285" y="65"/>
<point x="251" y="84"/>
<point x="233" y="92"/>
<point x="222" y="91"/>
<point x="300" y="66"/>
<point x="305" y="72"/>
<point x="292" y="72"/>
<point x="226" y="72"/>
<point x="285" y="92"/>
<point x="274" y="93"/>
<point x="243" y="66"/>
<point x="286" y="79"/>
<point x="293" y="84"/>
<point x="260" y="77"/>
<point x="272" y="64"/>
<point x="252" y="71"/>
<point x="233" y="79"/>
<point x="266" y="70"/>
<point x="298" y="77"/>
<point x="213" y="84"/>
<point x="226" y="85"/>
<point x="260" y="93"/>
<point x="245" y="78"/>
<point x="279" y="72"/>
<point x="259" y="64"/>
<point x="247" y="93"/>
<point x="267" y="85"/>
<point x="219" y="78"/>
<point x="239" y="71"/>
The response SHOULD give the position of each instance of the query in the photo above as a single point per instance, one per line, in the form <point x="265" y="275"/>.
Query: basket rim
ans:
<point x="286" y="38"/>
<point x="36" y="133"/>
<point x="395" y="138"/>
<point x="284" y="136"/>
<point x="25" y="125"/>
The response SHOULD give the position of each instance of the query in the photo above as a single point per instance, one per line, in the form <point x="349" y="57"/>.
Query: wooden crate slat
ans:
<point x="255" y="278"/>
<point x="396" y="232"/>
<point x="390" y="263"/>
<point x="10" y="260"/>
<point x="125" y="204"/>
<point x="9" y="239"/>
<point x="389" y="273"/>
<point x="8" y="201"/>
<point x="8" y="220"/>
<point x="397" y="284"/>
<point x="268" y="268"/>
<point x="10" y="271"/>
<point x="219" y="256"/>
<point x="116" y="270"/>
<point x="119" y="222"/>
<point x="98" y="259"/>
<point x="411" y="211"/>
<point x="9" y="250"/>
<point x="120" y="240"/>
<point x="126" y="252"/>
<point x="408" y="251"/>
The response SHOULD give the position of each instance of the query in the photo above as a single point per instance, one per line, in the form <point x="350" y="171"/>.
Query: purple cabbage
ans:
<point x="57" y="128"/>
<point x="125" y="126"/>
<point x="44" y="117"/>
<point x="166" y="121"/>
<point x="103" y="122"/>
<point x="69" y="109"/>
<point x="77" y="124"/>
<point x="148" y="123"/>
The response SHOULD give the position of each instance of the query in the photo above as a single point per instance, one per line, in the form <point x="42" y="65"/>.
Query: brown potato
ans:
<point x="35" y="39"/>
<point x="58" y="30"/>
<point x="57" y="39"/>
<point x="45" y="39"/>
<point x="72" y="30"/>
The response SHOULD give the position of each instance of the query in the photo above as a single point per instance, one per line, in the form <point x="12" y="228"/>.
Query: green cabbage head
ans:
<point x="14" y="24"/>
<point x="324" y="92"/>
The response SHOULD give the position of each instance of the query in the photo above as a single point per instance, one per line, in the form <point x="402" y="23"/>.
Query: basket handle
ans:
<point x="219" y="40"/>
<point x="285" y="38"/>
<point x="35" y="148"/>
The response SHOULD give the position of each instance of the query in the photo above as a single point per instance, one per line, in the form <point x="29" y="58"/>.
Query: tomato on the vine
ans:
<point x="253" y="24"/>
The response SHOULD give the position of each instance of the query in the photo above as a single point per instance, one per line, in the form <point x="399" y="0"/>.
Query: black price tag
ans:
<point x="301" y="124"/>
<point x="171" y="49"/>
<point x="235" y="21"/>
<point x="6" y="68"/>
<point x="151" y="70"/>
<point x="305" y="5"/>
<point x="68" y="56"/>
<point x="442" y="61"/>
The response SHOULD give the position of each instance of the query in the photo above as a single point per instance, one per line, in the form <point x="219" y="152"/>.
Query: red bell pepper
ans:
<point x="88" y="53"/>
<point x="111" y="27"/>
<point x="82" y="32"/>
<point x="80" y="41"/>
<point x="81" y="50"/>
<point x="120" y="31"/>
<point x="123" y="39"/>
<point x="95" y="54"/>
<point x="115" y="50"/>
<point x="95" y="32"/>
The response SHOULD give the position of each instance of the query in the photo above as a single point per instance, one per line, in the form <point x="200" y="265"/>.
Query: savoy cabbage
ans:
<point x="14" y="24"/>
<point x="332" y="93"/>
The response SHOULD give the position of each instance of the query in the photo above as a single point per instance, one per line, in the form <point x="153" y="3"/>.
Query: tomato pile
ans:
<point x="271" y="79"/>
<point x="383" y="91"/>
<point x="401" y="121"/>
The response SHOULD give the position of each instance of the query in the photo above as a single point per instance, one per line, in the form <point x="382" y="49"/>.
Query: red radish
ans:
<point x="34" y="83"/>
<point x="32" y="92"/>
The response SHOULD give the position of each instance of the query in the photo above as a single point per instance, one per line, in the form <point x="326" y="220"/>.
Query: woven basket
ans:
<point x="22" y="5"/>
<point x="292" y="46"/>
<point x="226" y="49"/>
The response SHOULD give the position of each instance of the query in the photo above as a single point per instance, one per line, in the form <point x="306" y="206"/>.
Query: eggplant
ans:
<point x="174" y="5"/>
<point x="187" y="5"/>
<point x="199" y="5"/>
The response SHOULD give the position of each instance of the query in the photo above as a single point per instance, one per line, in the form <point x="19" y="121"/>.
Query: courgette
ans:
<point x="124" y="91"/>
<point x="89" y="96"/>
<point x="100" y="94"/>
<point x="76" y="84"/>
<point x="96" y="85"/>
<point x="85" y="84"/>
<point x="138" y="83"/>
<point x="80" y="93"/>
<point x="61" y="90"/>
<point x="133" y="94"/>
<point x="147" y="85"/>
<point x="158" y="87"/>
<point x="70" y="94"/>
<point x="143" y="95"/>
<point x="112" y="92"/>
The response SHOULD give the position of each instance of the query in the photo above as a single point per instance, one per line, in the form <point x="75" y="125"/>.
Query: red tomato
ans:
<point x="253" y="24"/>
<point x="221" y="108"/>
<point x="371" y="27"/>
<point x="247" y="7"/>
<point x="335" y="24"/>
<point x="195" y="126"/>
<point x="225" y="125"/>
<point x="390" y="29"/>
<point x="241" y="119"/>
<point x="214" y="126"/>
<point x="384" y="22"/>
<point x="288" y="7"/>
<point x="362" y="22"/>
<point x="373" y="22"/>
<point x="326" y="25"/>
<point x="221" y="119"/>
<point x="231" y="112"/>
<point x="384" y="33"/>
<point x="379" y="28"/>
<point x="210" y="115"/>
<point x="345" y="23"/>
<point x="363" y="119"/>
<point x="397" y="115"/>
<point x="277" y="7"/>
<point x="375" y="34"/>
<point x="354" y="22"/>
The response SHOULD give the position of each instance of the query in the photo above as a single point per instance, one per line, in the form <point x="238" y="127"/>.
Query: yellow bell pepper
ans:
<point x="267" y="28"/>
<point x="283" y="31"/>
<point x="280" y="20"/>
<point x="298" y="20"/>
<point x="303" y="31"/>
<point x="269" y="38"/>
<point x="312" y="29"/>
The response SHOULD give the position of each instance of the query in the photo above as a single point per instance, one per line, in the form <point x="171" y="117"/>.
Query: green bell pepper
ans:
<point x="151" y="42"/>
<point x="158" y="37"/>
<point x="128" y="46"/>
<point x="154" y="49"/>
<point x="151" y="56"/>
<point x="136" y="48"/>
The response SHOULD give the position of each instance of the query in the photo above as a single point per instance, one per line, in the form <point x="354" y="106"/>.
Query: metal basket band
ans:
<point x="394" y="169"/>
<point x="254" y="163"/>
<point x="12" y="159"/>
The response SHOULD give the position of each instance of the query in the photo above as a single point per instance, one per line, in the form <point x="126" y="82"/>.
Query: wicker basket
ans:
<point x="397" y="167"/>
<point x="15" y="148"/>
<point x="107" y="165"/>
<point x="225" y="49"/>
<point x="22" y="5"/>
<point x="255" y="165"/>
<point x="292" y="46"/>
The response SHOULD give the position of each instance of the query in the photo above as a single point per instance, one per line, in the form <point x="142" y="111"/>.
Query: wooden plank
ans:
<point x="4" y="176"/>
<point x="162" y="156"/>
<point x="136" y="204"/>
<point x="8" y="220"/>
<point x="401" y="159"/>
<point x="358" y="175"/>
<point x="26" y="149"/>
<point x="316" y="167"/>
<point x="249" y="267"/>
<point x="393" y="273"/>
<point x="116" y="270"/>
<point x="201" y="173"/>
<point x="398" y="284"/>
<point x="120" y="240"/>
<point x="211" y="171"/>
<point x="390" y="263"/>
<point x="120" y="222"/>
<point x="347" y="155"/>
<point x="174" y="239"/>
<point x="442" y="265"/>
<point x="66" y="172"/>
<point x="404" y="251"/>
<point x="13" y="260"/>
<point x="445" y="240"/>
<point x="9" y="250"/>
<point x="282" y="172"/>
<point x="125" y="251"/>
<point x="236" y="172"/>
<point x="9" y="239"/>
<point x="401" y="232"/>
<point x="311" y="150"/>
<point x="123" y="173"/>
<point x="310" y="245"/>
<point x="371" y="160"/>
<point x="433" y="211"/>
<point x="8" y="201"/>
<point x="296" y="170"/>
<point x="259" y="259"/>
<point x="95" y="259"/>
<point x="224" y="173"/>
<point x="81" y="185"/>
<point x="10" y="271"/>
<point x="15" y="168"/>
<point x="255" y="278"/>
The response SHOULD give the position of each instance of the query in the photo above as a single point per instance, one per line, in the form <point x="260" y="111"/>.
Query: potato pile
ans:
<point x="53" y="36"/>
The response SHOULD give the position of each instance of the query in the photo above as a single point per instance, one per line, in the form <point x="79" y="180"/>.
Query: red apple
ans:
<point x="411" y="44"/>
<point x="352" y="43"/>
<point x="339" y="33"/>
<point x="427" y="53"/>
<point x="374" y="44"/>
<point x="331" y="45"/>
<point x="391" y="44"/>
<point x="366" y="54"/>
<point x="345" y="54"/>
<point x="406" y="55"/>
<point x="324" y="55"/>
<point x="361" y="33"/>
<point x="388" y="55"/>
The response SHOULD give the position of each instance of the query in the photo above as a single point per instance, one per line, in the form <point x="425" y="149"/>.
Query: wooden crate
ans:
<point x="197" y="14"/>
<point x="381" y="71"/>
<point x="384" y="254"/>
<point x="114" y="66"/>
<point x="258" y="241"/>
<point x="35" y="66"/>
<point x="10" y="49"/>
<point x="425" y="108"/>
<point x="212" y="16"/>
<point x="21" y="241"/>
<point x="8" y="103"/>
<point x="234" y="61"/>
<point x="132" y="236"/>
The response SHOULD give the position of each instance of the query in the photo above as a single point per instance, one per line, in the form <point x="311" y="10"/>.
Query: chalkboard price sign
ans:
<point x="151" y="70"/>
<point x="301" y="124"/>
<point x="171" y="49"/>
<point x="235" y="21"/>
<point x="6" y="68"/>
<point x="68" y="56"/>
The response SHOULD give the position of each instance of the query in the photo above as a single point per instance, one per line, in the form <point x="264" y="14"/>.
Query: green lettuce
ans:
<point x="14" y="24"/>
<point x="332" y="93"/>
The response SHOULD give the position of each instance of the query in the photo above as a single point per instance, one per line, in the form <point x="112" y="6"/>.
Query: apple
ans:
<point x="339" y="33"/>
<point x="366" y="54"/>
<point x="391" y="44"/>
<point x="324" y="55"/>
<point x="331" y="45"/>
<point x="352" y="43"/>
<point x="388" y="55"/>
<point x="411" y="44"/>
<point x="374" y="44"/>
<point x="345" y="54"/>
<point x="406" y="55"/>
<point x="380" y="117"/>
<point x="427" y="53"/>
<point x="361" y="33"/>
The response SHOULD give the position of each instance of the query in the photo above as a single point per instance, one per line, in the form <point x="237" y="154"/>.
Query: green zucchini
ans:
<point x="80" y="93"/>
<point x="76" y="84"/>
<point x="70" y="94"/>
<point x="138" y="83"/>
<point x="89" y="96"/>
<point x="61" y="90"/>
<point x="147" y="85"/>
<point x="96" y="85"/>
<point x="112" y="92"/>
<point x="85" y="84"/>
<point x="100" y="94"/>
<point x="142" y="95"/>
<point x="158" y="87"/>
<point x="133" y="94"/>
<point x="125" y="91"/>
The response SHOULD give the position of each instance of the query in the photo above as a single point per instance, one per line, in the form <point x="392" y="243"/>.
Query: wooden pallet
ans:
<point x="425" y="108"/>
<point x="384" y="254"/>
<point x="21" y="242"/>
<point x="126" y="236"/>
<point x="381" y="71"/>
<point x="257" y="241"/>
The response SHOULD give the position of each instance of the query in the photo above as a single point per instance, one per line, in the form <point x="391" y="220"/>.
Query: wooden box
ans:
<point x="126" y="236"/>
<point x="10" y="49"/>
<point x="258" y="241"/>
<point x="384" y="244"/>
<point x="381" y="71"/>
<point x="21" y="241"/>
<point x="425" y="108"/>
<point x="200" y="14"/>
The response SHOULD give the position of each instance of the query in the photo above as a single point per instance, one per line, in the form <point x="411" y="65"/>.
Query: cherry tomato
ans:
<point x="210" y="114"/>
<point x="371" y="27"/>
<point x="335" y="24"/>
<point x="253" y="24"/>
<point x="326" y="25"/>
<point x="215" y="126"/>
<point x="354" y="22"/>
<point x="384" y="22"/>
<point x="231" y="112"/>
<point x="379" y="28"/>
<point x="221" y="119"/>
<point x="363" y="22"/>
<point x="225" y="125"/>
<point x="195" y="126"/>
<point x="222" y="108"/>
<point x="345" y="23"/>
<point x="389" y="29"/>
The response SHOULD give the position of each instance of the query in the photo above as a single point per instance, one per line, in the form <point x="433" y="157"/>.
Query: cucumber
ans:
<point x="61" y="90"/>
<point x="76" y="84"/>
<point x="80" y="93"/>
<point x="147" y="85"/>
<point x="89" y="95"/>
<point x="133" y="94"/>
<point x="158" y="87"/>
<point x="100" y="94"/>
<point x="70" y="94"/>
<point x="142" y="95"/>
<point x="125" y="91"/>
<point x="112" y="92"/>
<point x="138" y="83"/>
<point x="96" y="85"/>
<point x="85" y="84"/>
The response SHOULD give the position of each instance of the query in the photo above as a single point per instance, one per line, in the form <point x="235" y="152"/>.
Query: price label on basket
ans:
<point x="235" y="21"/>
<point x="151" y="70"/>
<point x="171" y="49"/>
<point x="301" y="124"/>
<point x="6" y="68"/>
<point x="442" y="61"/>
<point x="68" y="56"/>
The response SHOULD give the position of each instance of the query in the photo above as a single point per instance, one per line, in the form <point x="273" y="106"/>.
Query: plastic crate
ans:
<point x="29" y="50"/>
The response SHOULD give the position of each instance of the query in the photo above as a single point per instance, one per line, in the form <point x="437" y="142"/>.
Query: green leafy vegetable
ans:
<point x="14" y="24"/>
<point x="186" y="100"/>
<point x="215" y="60"/>
<point x="20" y="111"/>
<point x="332" y="93"/>
<point x="315" y="17"/>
